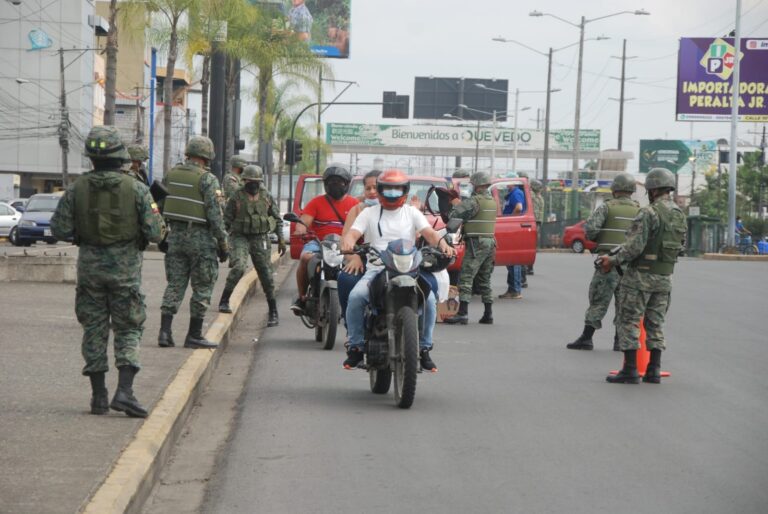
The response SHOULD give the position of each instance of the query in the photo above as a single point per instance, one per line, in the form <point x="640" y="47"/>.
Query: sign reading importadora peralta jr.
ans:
<point x="445" y="136"/>
<point x="705" y="79"/>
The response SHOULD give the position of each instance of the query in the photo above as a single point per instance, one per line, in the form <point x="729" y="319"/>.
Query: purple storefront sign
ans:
<point x="705" y="75"/>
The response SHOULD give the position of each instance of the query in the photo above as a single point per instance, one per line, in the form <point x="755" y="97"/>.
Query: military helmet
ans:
<point x="658" y="178"/>
<point x="138" y="153"/>
<point x="480" y="179"/>
<point x="252" y="172"/>
<point x="200" y="146"/>
<point x="536" y="185"/>
<point x="460" y="174"/>
<point x="238" y="161"/>
<point x="522" y="174"/>
<point x="624" y="182"/>
<point x="104" y="142"/>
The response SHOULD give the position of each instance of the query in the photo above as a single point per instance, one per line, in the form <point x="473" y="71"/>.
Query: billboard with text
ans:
<point x="678" y="155"/>
<point x="705" y="79"/>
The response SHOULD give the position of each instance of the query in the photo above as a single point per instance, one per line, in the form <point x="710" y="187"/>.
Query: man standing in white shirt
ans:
<point x="379" y="226"/>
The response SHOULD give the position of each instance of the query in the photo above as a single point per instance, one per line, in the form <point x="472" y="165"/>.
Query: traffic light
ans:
<point x="293" y="151"/>
<point x="239" y="144"/>
<point x="395" y="106"/>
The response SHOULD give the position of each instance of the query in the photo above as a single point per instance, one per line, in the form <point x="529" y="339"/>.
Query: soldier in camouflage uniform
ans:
<point x="654" y="240"/>
<point x="139" y="155"/>
<point x="197" y="236"/>
<point x="111" y="217"/>
<point x="232" y="181"/>
<point x="607" y="226"/>
<point x="478" y="212"/>
<point x="250" y="215"/>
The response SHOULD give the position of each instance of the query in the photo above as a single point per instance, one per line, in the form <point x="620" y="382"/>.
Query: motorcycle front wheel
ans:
<point x="405" y="356"/>
<point x="329" y="316"/>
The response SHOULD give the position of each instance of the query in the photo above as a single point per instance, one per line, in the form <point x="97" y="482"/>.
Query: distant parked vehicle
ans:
<point x="9" y="218"/>
<point x="575" y="238"/>
<point x="35" y="222"/>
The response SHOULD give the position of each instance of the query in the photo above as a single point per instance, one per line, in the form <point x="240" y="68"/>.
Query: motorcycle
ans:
<point x="322" y="309"/>
<point x="397" y="294"/>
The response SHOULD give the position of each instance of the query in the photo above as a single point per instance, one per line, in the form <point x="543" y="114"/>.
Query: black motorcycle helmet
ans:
<point x="337" y="188"/>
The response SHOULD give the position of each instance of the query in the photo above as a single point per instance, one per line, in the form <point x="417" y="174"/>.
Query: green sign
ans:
<point x="678" y="156"/>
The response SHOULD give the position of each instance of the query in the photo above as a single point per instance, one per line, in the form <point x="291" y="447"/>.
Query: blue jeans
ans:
<point x="311" y="246"/>
<point x="515" y="278"/>
<point x="346" y="282"/>
<point x="358" y="300"/>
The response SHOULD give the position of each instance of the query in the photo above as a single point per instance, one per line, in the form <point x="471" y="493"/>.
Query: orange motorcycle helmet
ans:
<point x="389" y="181"/>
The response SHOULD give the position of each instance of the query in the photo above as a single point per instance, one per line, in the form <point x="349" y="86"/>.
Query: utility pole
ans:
<point x="731" y="234"/>
<point x="64" y="125"/>
<point x="319" y="117"/>
<point x="139" y="134"/>
<point x="621" y="98"/>
<point x="515" y="137"/>
<point x="576" y="129"/>
<point x="538" y="127"/>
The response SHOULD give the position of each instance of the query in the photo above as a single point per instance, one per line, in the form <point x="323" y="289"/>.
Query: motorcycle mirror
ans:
<point x="292" y="217"/>
<point x="453" y="225"/>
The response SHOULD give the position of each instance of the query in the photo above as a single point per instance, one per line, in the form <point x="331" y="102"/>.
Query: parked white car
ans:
<point x="9" y="218"/>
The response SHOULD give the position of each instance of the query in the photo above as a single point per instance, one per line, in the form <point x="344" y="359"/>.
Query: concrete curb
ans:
<point x="132" y="477"/>
<point x="729" y="257"/>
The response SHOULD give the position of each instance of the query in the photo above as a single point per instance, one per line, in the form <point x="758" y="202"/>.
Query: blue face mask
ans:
<point x="370" y="202"/>
<point x="392" y="193"/>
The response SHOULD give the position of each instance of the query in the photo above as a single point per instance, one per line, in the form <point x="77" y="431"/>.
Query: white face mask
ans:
<point x="370" y="202"/>
<point x="392" y="193"/>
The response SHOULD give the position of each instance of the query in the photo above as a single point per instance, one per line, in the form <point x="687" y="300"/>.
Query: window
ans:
<point x="503" y="189"/>
<point x="43" y="204"/>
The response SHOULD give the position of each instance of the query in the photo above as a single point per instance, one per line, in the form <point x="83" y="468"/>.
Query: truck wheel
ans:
<point x="578" y="246"/>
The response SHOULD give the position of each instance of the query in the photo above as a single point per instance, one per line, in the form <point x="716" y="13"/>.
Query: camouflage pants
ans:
<point x="191" y="258"/>
<point x="635" y="304"/>
<point x="102" y="300"/>
<point x="259" y="248"/>
<point x="477" y="268"/>
<point x="603" y="287"/>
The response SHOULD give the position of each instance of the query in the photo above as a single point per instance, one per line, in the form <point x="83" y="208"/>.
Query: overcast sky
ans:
<point x="393" y="41"/>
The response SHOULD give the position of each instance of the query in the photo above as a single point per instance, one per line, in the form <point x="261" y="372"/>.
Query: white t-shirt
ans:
<point x="402" y="223"/>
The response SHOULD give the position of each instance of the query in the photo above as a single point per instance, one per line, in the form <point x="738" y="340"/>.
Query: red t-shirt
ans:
<point x="325" y="219"/>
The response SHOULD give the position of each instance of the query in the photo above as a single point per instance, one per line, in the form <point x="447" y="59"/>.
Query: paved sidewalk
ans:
<point x="53" y="454"/>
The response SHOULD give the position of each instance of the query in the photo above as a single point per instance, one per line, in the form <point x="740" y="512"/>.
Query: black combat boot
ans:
<point x="653" y="371"/>
<point x="224" y="302"/>
<point x="124" y="401"/>
<point x="616" y="342"/>
<point x="195" y="337"/>
<point x="273" y="318"/>
<point x="165" y="339"/>
<point x="584" y="342"/>
<point x="461" y="317"/>
<point x="628" y="374"/>
<point x="99" y="394"/>
<point x="487" y="318"/>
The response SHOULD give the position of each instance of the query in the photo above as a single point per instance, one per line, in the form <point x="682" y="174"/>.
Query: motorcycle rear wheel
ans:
<point x="405" y="356"/>
<point x="381" y="380"/>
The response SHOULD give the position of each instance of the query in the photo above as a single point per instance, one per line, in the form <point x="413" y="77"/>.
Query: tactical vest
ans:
<point x="618" y="219"/>
<point x="252" y="216"/>
<point x="484" y="222"/>
<point x="184" y="201"/>
<point x="660" y="253"/>
<point x="104" y="216"/>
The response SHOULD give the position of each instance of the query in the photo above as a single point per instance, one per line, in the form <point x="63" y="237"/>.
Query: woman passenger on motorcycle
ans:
<point x="354" y="268"/>
<point x="391" y="220"/>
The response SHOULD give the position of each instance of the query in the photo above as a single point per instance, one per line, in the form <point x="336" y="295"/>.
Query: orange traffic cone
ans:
<point x="643" y="355"/>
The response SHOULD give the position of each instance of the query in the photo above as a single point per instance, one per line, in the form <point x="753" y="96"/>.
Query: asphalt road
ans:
<point x="514" y="422"/>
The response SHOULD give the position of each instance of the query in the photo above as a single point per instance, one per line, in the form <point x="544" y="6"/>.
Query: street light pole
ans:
<point x="64" y="125"/>
<point x="733" y="155"/>
<point x="493" y="144"/>
<point x="577" y="128"/>
<point x="514" y="131"/>
<point x="545" y="172"/>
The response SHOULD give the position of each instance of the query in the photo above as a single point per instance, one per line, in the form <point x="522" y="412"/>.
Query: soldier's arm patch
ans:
<point x="155" y="210"/>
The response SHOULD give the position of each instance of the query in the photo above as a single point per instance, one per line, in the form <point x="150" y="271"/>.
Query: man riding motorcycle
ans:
<point x="324" y="214"/>
<point x="391" y="220"/>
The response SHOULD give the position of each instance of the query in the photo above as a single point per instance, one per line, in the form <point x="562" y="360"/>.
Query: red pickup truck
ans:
<point x="515" y="235"/>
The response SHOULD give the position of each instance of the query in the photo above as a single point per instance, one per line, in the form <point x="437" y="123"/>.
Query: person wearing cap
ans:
<point x="197" y="237"/>
<point x="139" y="155"/>
<point x="607" y="226"/>
<point x="111" y="217"/>
<point x="250" y="215"/>
<point x="478" y="213"/>
<point x="648" y="256"/>
<point x="232" y="181"/>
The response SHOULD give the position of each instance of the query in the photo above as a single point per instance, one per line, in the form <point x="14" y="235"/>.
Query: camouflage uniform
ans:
<point x="643" y="294"/>
<point x="139" y="154"/>
<point x="232" y="182"/>
<point x="257" y="246"/>
<point x="478" y="212"/>
<point x="192" y="250"/>
<point x="109" y="278"/>
<point x="603" y="286"/>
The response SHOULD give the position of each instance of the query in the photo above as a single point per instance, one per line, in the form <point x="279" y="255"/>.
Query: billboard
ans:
<point x="705" y="82"/>
<point x="435" y="97"/>
<point x="323" y="24"/>
<point x="442" y="136"/>
<point x="678" y="155"/>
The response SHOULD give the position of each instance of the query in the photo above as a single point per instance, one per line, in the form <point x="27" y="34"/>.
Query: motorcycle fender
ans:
<point x="328" y="284"/>
<point x="403" y="281"/>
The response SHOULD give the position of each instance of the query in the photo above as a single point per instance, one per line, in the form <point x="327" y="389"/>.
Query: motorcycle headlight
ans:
<point x="28" y="223"/>
<point x="403" y="263"/>
<point x="332" y="257"/>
